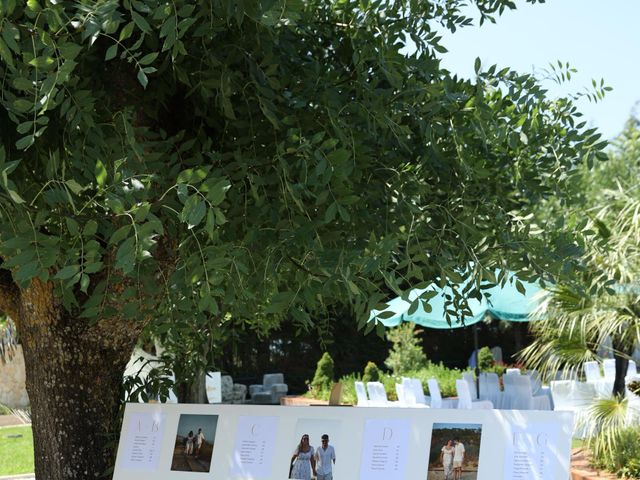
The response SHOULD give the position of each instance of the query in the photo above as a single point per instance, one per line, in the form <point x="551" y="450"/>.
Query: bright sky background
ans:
<point x="600" y="38"/>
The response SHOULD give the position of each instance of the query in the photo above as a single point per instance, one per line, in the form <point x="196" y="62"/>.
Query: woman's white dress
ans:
<point x="302" y="465"/>
<point x="447" y="461"/>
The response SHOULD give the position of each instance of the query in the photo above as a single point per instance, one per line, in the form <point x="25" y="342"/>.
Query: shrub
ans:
<point x="323" y="378"/>
<point x="624" y="459"/>
<point x="406" y="352"/>
<point x="485" y="359"/>
<point x="371" y="373"/>
<point x="446" y="378"/>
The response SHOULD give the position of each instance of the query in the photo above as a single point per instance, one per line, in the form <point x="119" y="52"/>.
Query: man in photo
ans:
<point x="199" y="441"/>
<point x="458" y="458"/>
<point x="325" y="459"/>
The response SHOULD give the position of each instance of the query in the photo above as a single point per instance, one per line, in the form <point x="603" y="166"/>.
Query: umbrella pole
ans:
<point x="475" y="352"/>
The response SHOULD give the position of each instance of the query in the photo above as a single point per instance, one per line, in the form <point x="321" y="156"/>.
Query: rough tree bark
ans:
<point x="621" y="354"/>
<point x="74" y="376"/>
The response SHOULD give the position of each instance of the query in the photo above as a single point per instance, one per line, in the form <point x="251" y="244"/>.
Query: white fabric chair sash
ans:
<point x="377" y="394"/>
<point x="609" y="365"/>
<point x="592" y="371"/>
<point x="465" y="400"/>
<point x="518" y="394"/>
<point x="490" y="389"/>
<point x="436" y="396"/>
<point x="361" y="395"/>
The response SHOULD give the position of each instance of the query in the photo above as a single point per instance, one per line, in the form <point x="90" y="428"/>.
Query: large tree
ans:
<point x="245" y="159"/>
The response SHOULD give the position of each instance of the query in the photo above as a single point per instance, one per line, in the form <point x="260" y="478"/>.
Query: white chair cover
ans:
<point x="609" y="365"/>
<point x="361" y="395"/>
<point x="513" y="371"/>
<point x="518" y="396"/>
<point x="470" y="378"/>
<point x="377" y="394"/>
<point x="592" y="371"/>
<point x="436" y="397"/>
<point x="418" y="392"/>
<point x="632" y="371"/>
<point x="536" y="382"/>
<point x="465" y="400"/>
<point x="490" y="389"/>
<point x="574" y="396"/>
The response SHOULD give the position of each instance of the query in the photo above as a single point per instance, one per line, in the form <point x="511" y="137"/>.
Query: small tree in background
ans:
<point x="323" y="378"/>
<point x="406" y="353"/>
<point x="485" y="359"/>
<point x="371" y="373"/>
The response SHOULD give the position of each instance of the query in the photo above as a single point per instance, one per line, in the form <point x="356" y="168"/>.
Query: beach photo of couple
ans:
<point x="455" y="451"/>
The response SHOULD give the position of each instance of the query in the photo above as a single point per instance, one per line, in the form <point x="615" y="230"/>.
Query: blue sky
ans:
<point x="601" y="39"/>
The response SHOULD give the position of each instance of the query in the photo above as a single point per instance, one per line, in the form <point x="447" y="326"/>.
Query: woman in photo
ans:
<point x="188" y="448"/>
<point x="302" y="462"/>
<point x="446" y="458"/>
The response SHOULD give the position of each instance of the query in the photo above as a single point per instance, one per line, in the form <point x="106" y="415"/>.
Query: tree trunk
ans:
<point x="74" y="379"/>
<point x="621" y="355"/>
<point x="194" y="391"/>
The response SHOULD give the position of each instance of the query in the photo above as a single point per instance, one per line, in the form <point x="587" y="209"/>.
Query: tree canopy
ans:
<point x="248" y="159"/>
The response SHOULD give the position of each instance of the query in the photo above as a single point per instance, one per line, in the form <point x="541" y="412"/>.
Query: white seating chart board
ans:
<point x="247" y="442"/>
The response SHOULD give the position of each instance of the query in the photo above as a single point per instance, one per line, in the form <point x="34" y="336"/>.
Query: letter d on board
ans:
<point x="387" y="433"/>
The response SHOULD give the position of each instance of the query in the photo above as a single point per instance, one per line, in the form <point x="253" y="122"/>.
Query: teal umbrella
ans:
<point x="514" y="301"/>
<point x="508" y="302"/>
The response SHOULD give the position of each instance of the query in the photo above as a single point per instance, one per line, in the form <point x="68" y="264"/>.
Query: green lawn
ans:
<point x="16" y="450"/>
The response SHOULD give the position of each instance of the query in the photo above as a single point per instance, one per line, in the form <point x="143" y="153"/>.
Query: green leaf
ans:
<point x="72" y="226"/>
<point x="126" y="256"/>
<point x="67" y="272"/>
<point x="5" y="53"/>
<point x="119" y="235"/>
<point x="218" y="191"/>
<point x="148" y="58"/>
<point x="142" y="78"/>
<point x="126" y="31"/>
<point x="90" y="228"/>
<point x="196" y="214"/>
<point x="100" y="173"/>
<point x="141" y="22"/>
<point x="70" y="50"/>
<point x="84" y="283"/>
<point x="74" y="186"/>
<point x="112" y="51"/>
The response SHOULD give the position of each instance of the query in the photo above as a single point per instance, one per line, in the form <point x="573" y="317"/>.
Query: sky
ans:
<point x="600" y="38"/>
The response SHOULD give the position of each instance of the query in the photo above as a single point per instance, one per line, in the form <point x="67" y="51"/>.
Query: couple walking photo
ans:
<point x="452" y="458"/>
<point x="308" y="463"/>
<point x="455" y="451"/>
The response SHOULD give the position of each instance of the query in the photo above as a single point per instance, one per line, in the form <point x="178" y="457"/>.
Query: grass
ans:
<point x="16" y="450"/>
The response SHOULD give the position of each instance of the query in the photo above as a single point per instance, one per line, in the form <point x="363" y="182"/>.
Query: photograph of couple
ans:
<point x="455" y="451"/>
<point x="314" y="463"/>
<point x="194" y="443"/>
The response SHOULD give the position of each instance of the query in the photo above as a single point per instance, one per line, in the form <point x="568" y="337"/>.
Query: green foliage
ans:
<point x="598" y="299"/>
<point x="371" y="373"/>
<point x="200" y="148"/>
<point x="250" y="161"/>
<point x="446" y="378"/>
<point x="485" y="359"/>
<point x="406" y="353"/>
<point x="624" y="460"/>
<point x="323" y="378"/>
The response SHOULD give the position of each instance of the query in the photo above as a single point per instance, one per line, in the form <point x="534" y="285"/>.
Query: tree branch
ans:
<point x="9" y="295"/>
